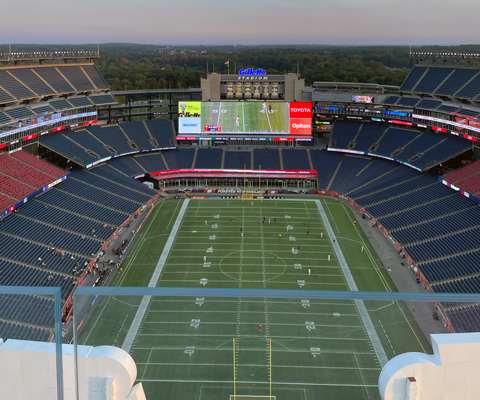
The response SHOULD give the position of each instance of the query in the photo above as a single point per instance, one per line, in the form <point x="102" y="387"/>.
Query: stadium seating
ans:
<point x="23" y="172"/>
<point x="179" y="159"/>
<point x="466" y="178"/>
<point x="412" y="78"/>
<point x="113" y="137"/>
<point x="162" y="131"/>
<point x="103" y="99"/>
<point x="39" y="164"/>
<point x="237" y="160"/>
<point x="151" y="163"/>
<point x="136" y="132"/>
<point x="89" y="141"/>
<point x="325" y="163"/>
<point x="11" y="85"/>
<point x="432" y="79"/>
<point x="343" y="133"/>
<point x="60" y="143"/>
<point x="295" y="160"/>
<point x="459" y="78"/>
<point x="127" y="165"/>
<point x="266" y="159"/>
<point x="209" y="158"/>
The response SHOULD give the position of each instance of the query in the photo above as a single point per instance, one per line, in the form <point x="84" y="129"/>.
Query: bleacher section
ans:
<point x="295" y="160"/>
<point x="136" y="131"/>
<point x="127" y="165"/>
<point x="466" y="178"/>
<point x="108" y="141"/>
<point x="46" y="80"/>
<point x="61" y="144"/>
<point x="50" y="240"/>
<point x="325" y="163"/>
<point x="343" y="133"/>
<point x="151" y="162"/>
<point x="162" y="130"/>
<point x="39" y="164"/>
<point x="266" y="159"/>
<point x="237" y="160"/>
<point x="179" y="159"/>
<point x="460" y="83"/>
<point x="209" y="158"/>
<point x="423" y="150"/>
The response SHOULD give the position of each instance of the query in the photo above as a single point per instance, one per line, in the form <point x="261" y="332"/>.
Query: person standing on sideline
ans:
<point x="260" y="327"/>
<point x="362" y="248"/>
<point x="321" y="234"/>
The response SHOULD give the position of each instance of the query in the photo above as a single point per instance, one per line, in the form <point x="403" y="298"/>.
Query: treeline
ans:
<point x="134" y="66"/>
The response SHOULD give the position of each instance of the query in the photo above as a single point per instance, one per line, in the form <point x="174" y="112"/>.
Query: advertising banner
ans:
<point x="300" y="118"/>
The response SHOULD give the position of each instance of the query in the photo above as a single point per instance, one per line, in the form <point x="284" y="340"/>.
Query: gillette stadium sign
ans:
<point x="252" y="72"/>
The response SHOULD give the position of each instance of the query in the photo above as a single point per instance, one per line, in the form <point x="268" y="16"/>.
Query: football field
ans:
<point x="253" y="117"/>
<point x="212" y="347"/>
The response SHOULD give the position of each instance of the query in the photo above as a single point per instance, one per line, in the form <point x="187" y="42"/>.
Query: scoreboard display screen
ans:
<point x="253" y="117"/>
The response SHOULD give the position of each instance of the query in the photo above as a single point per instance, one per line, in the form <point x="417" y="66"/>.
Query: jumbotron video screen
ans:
<point x="252" y="117"/>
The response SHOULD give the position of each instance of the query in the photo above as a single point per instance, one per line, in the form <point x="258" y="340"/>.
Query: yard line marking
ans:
<point x="262" y="365"/>
<point x="135" y="325"/>
<point x="372" y="333"/>
<point x="191" y="335"/>
<point x="252" y="382"/>
<point x="251" y="323"/>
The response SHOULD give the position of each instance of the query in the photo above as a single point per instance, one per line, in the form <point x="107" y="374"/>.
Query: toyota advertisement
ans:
<point x="250" y="117"/>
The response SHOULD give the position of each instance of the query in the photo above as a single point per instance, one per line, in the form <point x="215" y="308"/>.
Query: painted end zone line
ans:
<point x="372" y="333"/>
<point x="132" y="332"/>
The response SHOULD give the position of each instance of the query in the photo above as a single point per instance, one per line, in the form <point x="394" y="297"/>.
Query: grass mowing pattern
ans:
<point x="184" y="349"/>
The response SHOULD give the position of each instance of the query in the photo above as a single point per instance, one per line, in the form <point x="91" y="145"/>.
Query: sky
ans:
<point x="243" y="22"/>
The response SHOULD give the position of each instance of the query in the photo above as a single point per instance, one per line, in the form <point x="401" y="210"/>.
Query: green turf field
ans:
<point x="195" y="348"/>
<point x="253" y="118"/>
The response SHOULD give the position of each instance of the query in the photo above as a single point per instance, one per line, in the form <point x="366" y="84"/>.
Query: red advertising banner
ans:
<point x="300" y="118"/>
<point x="300" y="126"/>
<point x="301" y="109"/>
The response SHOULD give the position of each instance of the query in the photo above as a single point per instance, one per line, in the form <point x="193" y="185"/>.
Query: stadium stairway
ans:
<point x="89" y="151"/>
<point x="415" y="207"/>
<point x="372" y="180"/>
<point x="441" y="236"/>
<point x="36" y="267"/>
<point x="140" y="165"/>
<point x="99" y="188"/>
<point x="335" y="172"/>
<point x="309" y="156"/>
<point x="426" y="220"/>
<point x="222" y="163"/>
<point x="129" y="141"/>
<point x="39" y="199"/>
<point x="94" y="202"/>
<point x="100" y="241"/>
<point x="396" y="196"/>
<point x="153" y="141"/>
<point x="194" y="158"/>
<point x="419" y="264"/>
<point x="417" y="156"/>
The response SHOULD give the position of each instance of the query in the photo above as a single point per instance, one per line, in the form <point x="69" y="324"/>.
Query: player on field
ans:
<point x="270" y="109"/>
<point x="237" y="122"/>
<point x="260" y="327"/>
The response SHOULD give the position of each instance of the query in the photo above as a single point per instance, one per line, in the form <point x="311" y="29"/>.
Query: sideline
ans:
<point x="372" y="333"/>
<point x="135" y="325"/>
